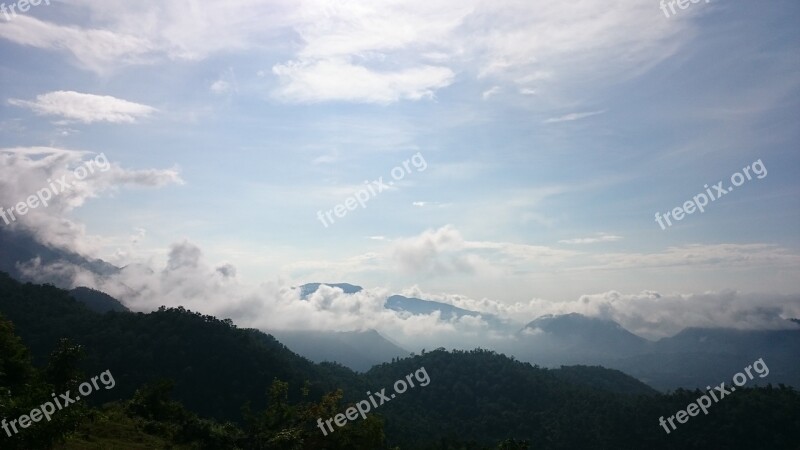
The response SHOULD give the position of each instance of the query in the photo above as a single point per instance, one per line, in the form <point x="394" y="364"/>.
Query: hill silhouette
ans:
<point x="476" y="399"/>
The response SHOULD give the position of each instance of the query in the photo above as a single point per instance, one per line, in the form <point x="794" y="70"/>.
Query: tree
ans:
<point x="23" y="389"/>
<point x="284" y="426"/>
<point x="62" y="370"/>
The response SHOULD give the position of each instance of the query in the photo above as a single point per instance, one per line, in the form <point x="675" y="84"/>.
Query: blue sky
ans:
<point x="552" y="134"/>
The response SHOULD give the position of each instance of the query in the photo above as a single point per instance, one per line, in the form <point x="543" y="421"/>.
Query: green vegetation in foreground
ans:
<point x="184" y="380"/>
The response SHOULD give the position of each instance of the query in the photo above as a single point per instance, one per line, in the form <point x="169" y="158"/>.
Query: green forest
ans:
<point x="189" y="381"/>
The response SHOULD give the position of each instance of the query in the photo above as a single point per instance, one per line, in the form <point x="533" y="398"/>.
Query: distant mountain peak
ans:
<point x="556" y="322"/>
<point x="587" y="333"/>
<point x="309" y="288"/>
<point x="420" y="306"/>
<point x="411" y="305"/>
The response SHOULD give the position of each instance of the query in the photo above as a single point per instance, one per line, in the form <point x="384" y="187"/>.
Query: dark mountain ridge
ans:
<point x="97" y="301"/>
<point x="694" y="357"/>
<point x="194" y="350"/>
<point x="19" y="247"/>
<point x="473" y="398"/>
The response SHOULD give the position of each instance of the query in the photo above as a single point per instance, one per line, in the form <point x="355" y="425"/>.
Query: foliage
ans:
<point x="476" y="400"/>
<point x="294" y="427"/>
<point x="23" y="388"/>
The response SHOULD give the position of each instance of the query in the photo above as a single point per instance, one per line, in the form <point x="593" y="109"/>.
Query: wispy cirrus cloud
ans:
<point x="98" y="50"/>
<point x="601" y="237"/>
<point x="426" y="204"/>
<point x="573" y="116"/>
<point x="487" y="94"/>
<point x="86" y="108"/>
<point x="759" y="255"/>
<point x="398" y="50"/>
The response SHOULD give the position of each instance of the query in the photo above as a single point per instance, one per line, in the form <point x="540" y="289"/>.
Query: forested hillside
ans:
<point x="194" y="381"/>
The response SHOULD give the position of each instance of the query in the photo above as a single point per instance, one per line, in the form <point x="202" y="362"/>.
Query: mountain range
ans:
<point x="695" y="357"/>
<point x="251" y="391"/>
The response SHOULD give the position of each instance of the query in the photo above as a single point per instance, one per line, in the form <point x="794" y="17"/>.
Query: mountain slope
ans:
<point x="575" y="339"/>
<point x="18" y="247"/>
<point x="356" y="350"/>
<point x="600" y="378"/>
<point x="482" y="396"/>
<point x="196" y="351"/>
<point x="693" y="358"/>
<point x="418" y="306"/>
<point x="465" y="400"/>
<point x="97" y="301"/>
<point x="696" y="357"/>
<point x="598" y="334"/>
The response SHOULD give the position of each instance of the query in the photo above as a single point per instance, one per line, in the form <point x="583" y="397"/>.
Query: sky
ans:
<point x="511" y="156"/>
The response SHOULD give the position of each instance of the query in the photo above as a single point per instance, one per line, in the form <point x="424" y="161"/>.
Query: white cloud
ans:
<point x="339" y="80"/>
<point x="700" y="255"/>
<point x="521" y="40"/>
<point x="511" y="266"/>
<point x="444" y="251"/>
<point x="601" y="237"/>
<point x="225" y="84"/>
<point x="647" y="313"/>
<point x="573" y="116"/>
<point x="430" y="204"/>
<point x="653" y="315"/>
<point x="326" y="159"/>
<point x="27" y="170"/>
<point x="494" y="90"/>
<point x="97" y="50"/>
<point x="437" y="251"/>
<point x="220" y="87"/>
<point x="363" y="28"/>
<point x="188" y="280"/>
<point x="398" y="49"/>
<point x="86" y="108"/>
